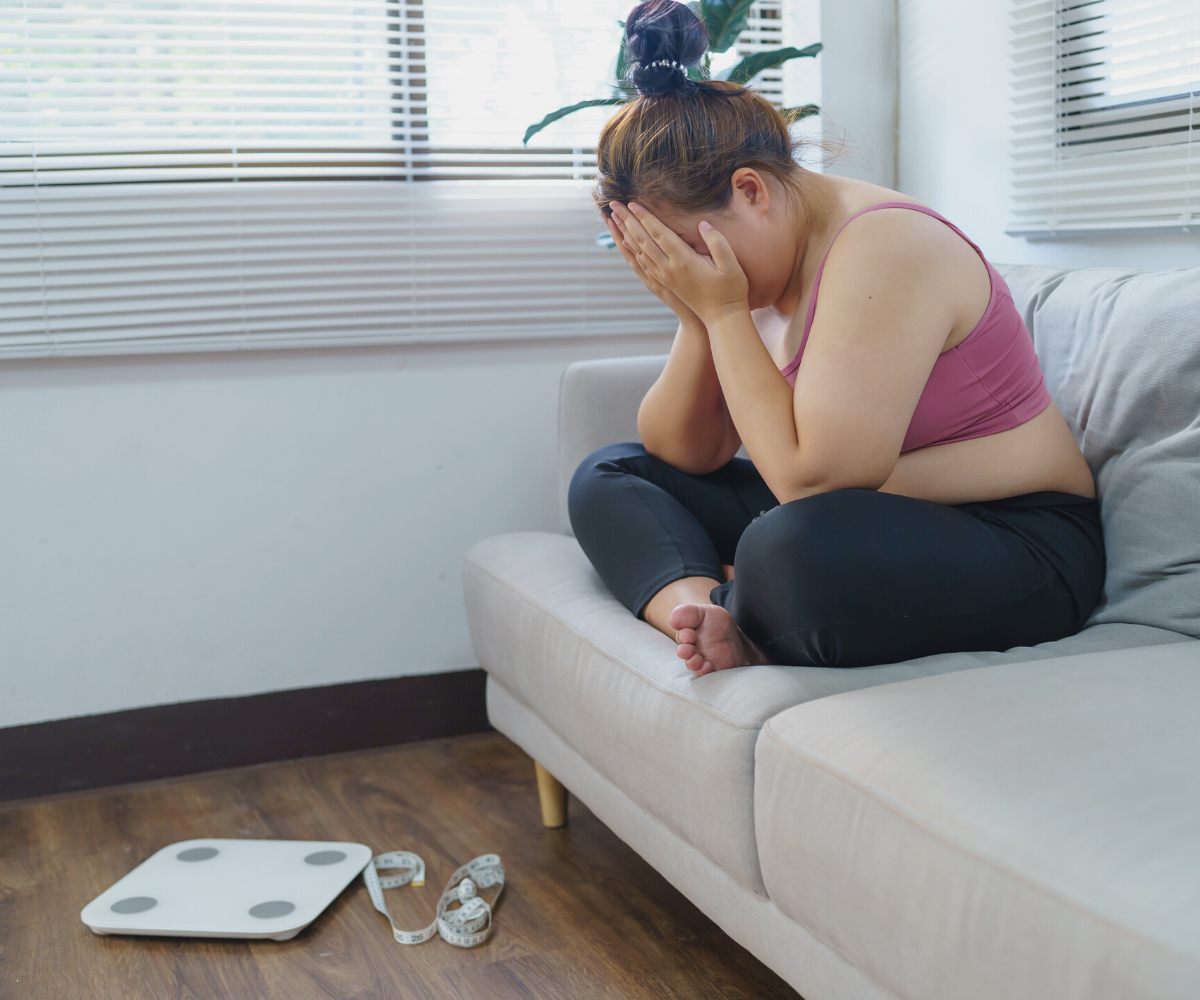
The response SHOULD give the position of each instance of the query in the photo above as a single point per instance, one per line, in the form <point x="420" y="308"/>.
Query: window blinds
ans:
<point x="1105" y="116"/>
<point x="764" y="31"/>
<point x="180" y="267"/>
<point x="182" y="175"/>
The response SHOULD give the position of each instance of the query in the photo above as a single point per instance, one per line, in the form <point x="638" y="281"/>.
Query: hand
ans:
<point x="712" y="287"/>
<point x="664" y="294"/>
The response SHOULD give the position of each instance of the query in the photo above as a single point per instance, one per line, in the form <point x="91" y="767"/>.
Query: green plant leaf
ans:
<point x="724" y="21"/>
<point x="794" y="115"/>
<point x="563" y="112"/>
<point x="754" y="64"/>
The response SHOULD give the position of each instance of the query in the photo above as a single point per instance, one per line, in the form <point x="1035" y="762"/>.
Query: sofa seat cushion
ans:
<point x="1029" y="830"/>
<point x="611" y="686"/>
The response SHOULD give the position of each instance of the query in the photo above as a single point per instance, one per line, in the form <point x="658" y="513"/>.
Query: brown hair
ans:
<point x="683" y="148"/>
<point x="681" y="140"/>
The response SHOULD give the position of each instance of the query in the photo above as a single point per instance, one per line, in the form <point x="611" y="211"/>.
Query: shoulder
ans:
<point x="905" y="258"/>
<point x="908" y="238"/>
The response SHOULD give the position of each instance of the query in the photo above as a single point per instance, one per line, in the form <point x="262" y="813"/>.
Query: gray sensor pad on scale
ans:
<point x="134" y="904"/>
<point x="325" y="858"/>
<point x="197" y="854"/>
<point x="275" y="908"/>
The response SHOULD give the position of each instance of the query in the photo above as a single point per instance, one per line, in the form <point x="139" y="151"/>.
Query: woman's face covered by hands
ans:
<point x="742" y="256"/>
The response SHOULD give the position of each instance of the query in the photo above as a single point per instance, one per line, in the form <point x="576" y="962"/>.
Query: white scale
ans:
<point x="228" y="888"/>
<point x="276" y="888"/>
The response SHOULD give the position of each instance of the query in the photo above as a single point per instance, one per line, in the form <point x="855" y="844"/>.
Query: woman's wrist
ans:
<point x="727" y="317"/>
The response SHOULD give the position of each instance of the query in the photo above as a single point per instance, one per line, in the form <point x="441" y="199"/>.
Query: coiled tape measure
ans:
<point x="464" y="926"/>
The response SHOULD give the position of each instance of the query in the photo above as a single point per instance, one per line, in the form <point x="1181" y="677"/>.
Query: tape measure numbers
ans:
<point x="464" y="926"/>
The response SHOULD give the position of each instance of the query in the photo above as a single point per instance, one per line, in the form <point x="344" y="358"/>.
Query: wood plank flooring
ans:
<point x="582" y="915"/>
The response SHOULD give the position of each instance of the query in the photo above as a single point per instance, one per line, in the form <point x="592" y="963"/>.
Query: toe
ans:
<point x="685" y="651"/>
<point x="686" y="616"/>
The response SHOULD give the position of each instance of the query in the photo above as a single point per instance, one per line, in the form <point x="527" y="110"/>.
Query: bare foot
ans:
<point x="709" y="639"/>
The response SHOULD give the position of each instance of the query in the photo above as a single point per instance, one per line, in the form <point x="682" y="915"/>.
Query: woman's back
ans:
<point x="989" y="381"/>
<point x="982" y="425"/>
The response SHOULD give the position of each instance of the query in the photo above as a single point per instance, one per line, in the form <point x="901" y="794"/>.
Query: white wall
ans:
<point x="858" y="87"/>
<point x="953" y="138"/>
<point x="187" y="527"/>
<point x="202" y="526"/>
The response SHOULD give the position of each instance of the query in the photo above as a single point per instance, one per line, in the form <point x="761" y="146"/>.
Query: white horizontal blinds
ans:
<point x="157" y="267"/>
<point x="409" y="77"/>
<point x="764" y="31"/>
<point x="204" y="89"/>
<point x="207" y="174"/>
<point x="148" y="90"/>
<point x="1034" y="115"/>
<point x="1105" y="115"/>
<point x="1126" y="73"/>
<point x="497" y="66"/>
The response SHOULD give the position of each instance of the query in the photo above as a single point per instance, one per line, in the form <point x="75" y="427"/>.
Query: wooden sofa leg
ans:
<point x="553" y="797"/>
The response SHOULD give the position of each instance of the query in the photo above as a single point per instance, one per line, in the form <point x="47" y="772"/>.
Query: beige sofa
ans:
<point x="1020" y="824"/>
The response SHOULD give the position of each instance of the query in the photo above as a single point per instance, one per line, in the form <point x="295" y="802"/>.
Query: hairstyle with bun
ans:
<point x="662" y="40"/>
<point x="680" y="141"/>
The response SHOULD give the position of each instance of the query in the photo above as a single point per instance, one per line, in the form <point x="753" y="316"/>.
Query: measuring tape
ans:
<point x="466" y="925"/>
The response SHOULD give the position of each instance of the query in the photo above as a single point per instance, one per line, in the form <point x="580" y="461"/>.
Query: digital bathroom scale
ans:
<point x="228" y="889"/>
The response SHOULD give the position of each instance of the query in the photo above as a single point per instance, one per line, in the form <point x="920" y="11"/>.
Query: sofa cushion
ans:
<point x="1024" y="831"/>
<point x="611" y="686"/>
<point x="1121" y="355"/>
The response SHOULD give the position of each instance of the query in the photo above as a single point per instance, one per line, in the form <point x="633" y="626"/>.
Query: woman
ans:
<point x="911" y="487"/>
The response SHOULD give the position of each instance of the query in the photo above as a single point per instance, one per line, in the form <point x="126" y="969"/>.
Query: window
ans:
<point x="180" y="175"/>
<point x="1105" y="116"/>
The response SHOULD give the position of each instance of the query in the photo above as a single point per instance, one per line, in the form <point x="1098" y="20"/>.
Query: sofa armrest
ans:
<point x="597" y="405"/>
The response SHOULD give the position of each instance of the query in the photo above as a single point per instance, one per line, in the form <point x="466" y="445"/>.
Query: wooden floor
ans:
<point x="582" y="915"/>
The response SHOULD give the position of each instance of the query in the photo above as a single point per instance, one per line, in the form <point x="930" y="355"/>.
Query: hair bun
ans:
<point x="663" y="39"/>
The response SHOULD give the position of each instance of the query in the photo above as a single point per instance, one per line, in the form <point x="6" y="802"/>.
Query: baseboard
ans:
<point x="165" y="741"/>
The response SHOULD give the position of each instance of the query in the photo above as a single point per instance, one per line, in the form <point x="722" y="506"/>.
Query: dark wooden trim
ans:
<point x="165" y="741"/>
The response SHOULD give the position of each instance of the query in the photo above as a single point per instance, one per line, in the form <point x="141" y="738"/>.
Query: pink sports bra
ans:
<point x="990" y="382"/>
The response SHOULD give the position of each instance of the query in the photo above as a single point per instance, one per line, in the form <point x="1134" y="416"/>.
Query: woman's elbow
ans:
<point x="685" y="460"/>
<point x="693" y="454"/>
<point x="807" y="481"/>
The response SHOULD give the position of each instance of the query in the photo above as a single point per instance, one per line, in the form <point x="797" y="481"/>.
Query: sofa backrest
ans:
<point x="1121" y="354"/>
<point x="597" y="405"/>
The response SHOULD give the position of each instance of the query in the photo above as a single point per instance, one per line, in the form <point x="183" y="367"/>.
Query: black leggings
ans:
<point x="847" y="578"/>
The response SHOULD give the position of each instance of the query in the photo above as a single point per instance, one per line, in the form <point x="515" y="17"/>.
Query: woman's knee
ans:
<point x="802" y="539"/>
<point x="794" y="566"/>
<point x="601" y="479"/>
<point x="592" y="470"/>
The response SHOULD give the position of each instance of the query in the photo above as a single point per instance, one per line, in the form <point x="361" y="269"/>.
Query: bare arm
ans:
<point x="883" y="318"/>
<point x="878" y="330"/>
<point x="683" y="419"/>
